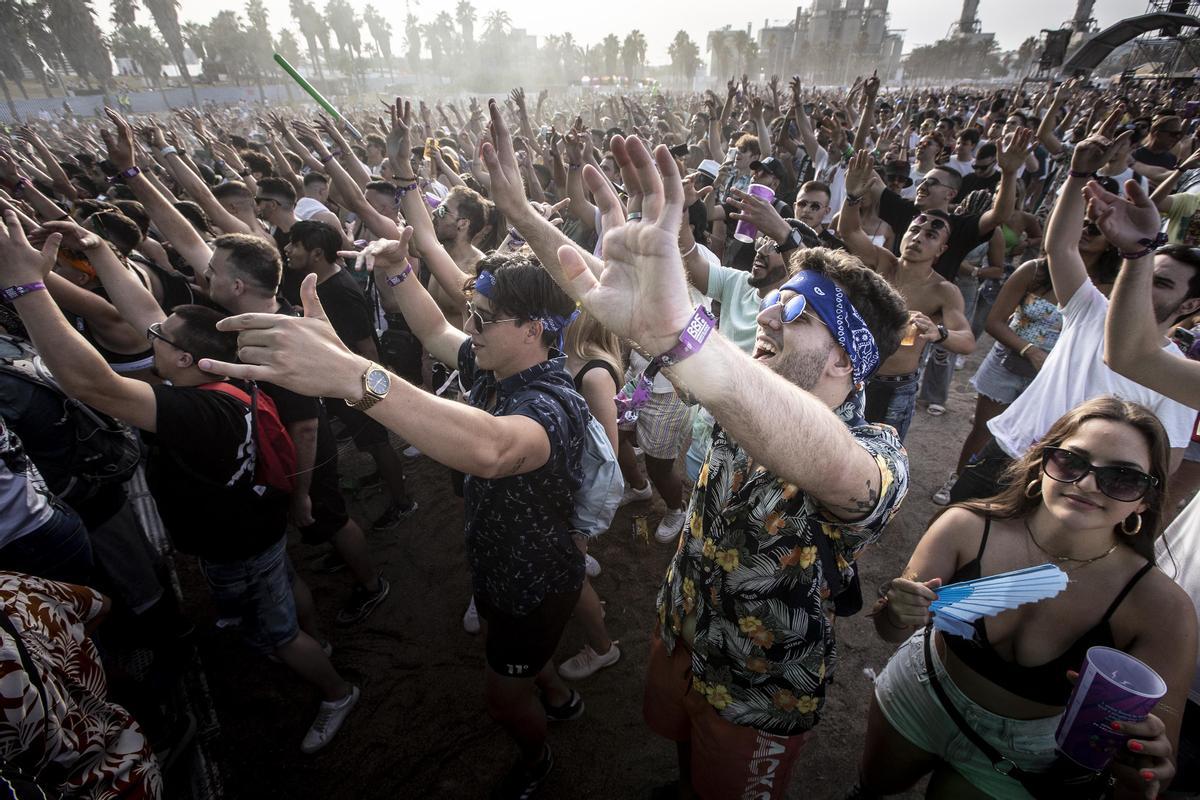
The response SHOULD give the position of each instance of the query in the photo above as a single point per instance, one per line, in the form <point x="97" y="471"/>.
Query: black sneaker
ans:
<point x="363" y="602"/>
<point x="522" y="782"/>
<point x="328" y="564"/>
<point x="394" y="516"/>
<point x="572" y="709"/>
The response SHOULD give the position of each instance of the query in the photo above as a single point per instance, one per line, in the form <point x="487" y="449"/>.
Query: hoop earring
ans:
<point x="1136" y="527"/>
<point x="1033" y="489"/>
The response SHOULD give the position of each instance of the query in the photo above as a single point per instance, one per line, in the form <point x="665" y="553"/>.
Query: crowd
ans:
<point x="735" y="301"/>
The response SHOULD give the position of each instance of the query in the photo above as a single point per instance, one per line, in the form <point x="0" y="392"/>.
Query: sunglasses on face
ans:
<point x="1124" y="484"/>
<point x="443" y="211"/>
<point x="935" y="223"/>
<point x="476" y="319"/>
<point x="155" y="332"/>
<point x="931" y="183"/>
<point x="808" y="205"/>
<point x="793" y="309"/>
<point x="984" y="167"/>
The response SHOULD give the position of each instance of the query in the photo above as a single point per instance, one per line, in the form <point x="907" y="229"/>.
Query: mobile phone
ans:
<point x="731" y="154"/>
<point x="679" y="150"/>
<point x="1184" y="338"/>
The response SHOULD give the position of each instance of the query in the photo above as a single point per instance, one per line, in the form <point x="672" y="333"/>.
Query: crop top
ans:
<point x="1044" y="683"/>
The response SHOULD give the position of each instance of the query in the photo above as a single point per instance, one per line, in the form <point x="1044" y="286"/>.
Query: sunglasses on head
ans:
<point x="935" y="223"/>
<point x="792" y="309"/>
<point x="1124" y="484"/>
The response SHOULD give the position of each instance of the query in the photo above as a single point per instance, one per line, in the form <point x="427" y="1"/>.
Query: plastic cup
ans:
<point x="1114" y="687"/>
<point x="745" y="230"/>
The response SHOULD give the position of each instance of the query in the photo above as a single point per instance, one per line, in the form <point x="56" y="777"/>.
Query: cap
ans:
<point x="772" y="165"/>
<point x="709" y="168"/>
<point x="898" y="169"/>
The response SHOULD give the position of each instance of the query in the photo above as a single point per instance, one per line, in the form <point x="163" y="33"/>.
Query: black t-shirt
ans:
<point x="1145" y="155"/>
<point x="199" y="469"/>
<point x="347" y="307"/>
<point x="974" y="182"/>
<point x="964" y="232"/>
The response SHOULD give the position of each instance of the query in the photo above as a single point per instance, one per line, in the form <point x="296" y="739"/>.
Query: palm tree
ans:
<point x="497" y="24"/>
<point x="259" y="32"/>
<point x="139" y="44"/>
<point x="381" y="32"/>
<point x="309" y="20"/>
<point x="74" y="25"/>
<point x="633" y="53"/>
<point x="685" y="56"/>
<point x="339" y="17"/>
<point x="195" y="36"/>
<point x="166" y="19"/>
<point x="464" y="12"/>
<point x="10" y="65"/>
<point x="612" y="53"/>
<point x="43" y="42"/>
<point x="412" y="37"/>
<point x="229" y="44"/>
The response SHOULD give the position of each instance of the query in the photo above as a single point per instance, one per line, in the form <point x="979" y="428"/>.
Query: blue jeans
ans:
<point x="60" y="550"/>
<point x="259" y="591"/>
<point x="891" y="400"/>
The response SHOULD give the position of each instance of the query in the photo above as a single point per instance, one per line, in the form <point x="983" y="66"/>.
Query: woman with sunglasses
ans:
<point x="1088" y="498"/>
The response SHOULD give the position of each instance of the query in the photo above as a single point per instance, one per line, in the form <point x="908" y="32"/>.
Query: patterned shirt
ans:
<point x="519" y="541"/>
<point x="72" y="739"/>
<point x="749" y="569"/>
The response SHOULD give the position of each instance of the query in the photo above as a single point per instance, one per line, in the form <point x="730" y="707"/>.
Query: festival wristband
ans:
<point x="853" y="199"/>
<point x="694" y="335"/>
<point x="13" y="292"/>
<point x="168" y="150"/>
<point x="125" y="175"/>
<point x="397" y="279"/>
<point x="1148" y="247"/>
<point x="403" y="190"/>
<point x="515" y="235"/>
<point x="20" y="186"/>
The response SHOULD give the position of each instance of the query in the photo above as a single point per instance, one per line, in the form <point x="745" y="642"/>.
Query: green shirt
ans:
<point x="739" y="304"/>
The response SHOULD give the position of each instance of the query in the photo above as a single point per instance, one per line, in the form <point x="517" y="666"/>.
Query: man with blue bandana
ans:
<point x="794" y="486"/>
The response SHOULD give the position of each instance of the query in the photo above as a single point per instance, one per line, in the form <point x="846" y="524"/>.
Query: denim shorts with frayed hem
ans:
<point x="913" y="709"/>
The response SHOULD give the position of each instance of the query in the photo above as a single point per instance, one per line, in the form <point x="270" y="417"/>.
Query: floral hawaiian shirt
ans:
<point x="748" y="568"/>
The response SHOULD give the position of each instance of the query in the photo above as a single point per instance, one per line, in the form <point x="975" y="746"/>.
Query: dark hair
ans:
<point x="524" y="290"/>
<point x="881" y="306"/>
<point x="1013" y="503"/>
<point x="985" y="151"/>
<point x="294" y="160"/>
<point x="817" y="186"/>
<point x="254" y="259"/>
<point x="85" y="208"/>
<point x="279" y="190"/>
<point x="1024" y="118"/>
<point x="199" y="335"/>
<point x="382" y="186"/>
<point x="136" y="212"/>
<point x="313" y="235"/>
<point x="193" y="213"/>
<point x="257" y="162"/>
<point x="970" y="134"/>
<point x="119" y="191"/>
<point x="316" y="177"/>
<point x="1185" y="255"/>
<point x="120" y="230"/>
<point x="955" y="181"/>
<point x="471" y="207"/>
<point x="232" y="190"/>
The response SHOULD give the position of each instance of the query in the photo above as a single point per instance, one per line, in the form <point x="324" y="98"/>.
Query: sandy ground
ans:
<point x="421" y="730"/>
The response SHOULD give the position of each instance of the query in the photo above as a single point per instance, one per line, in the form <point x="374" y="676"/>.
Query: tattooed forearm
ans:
<point x="859" y="507"/>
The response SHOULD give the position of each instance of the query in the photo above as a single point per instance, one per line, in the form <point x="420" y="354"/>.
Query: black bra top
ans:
<point x="596" y="363"/>
<point x="1044" y="683"/>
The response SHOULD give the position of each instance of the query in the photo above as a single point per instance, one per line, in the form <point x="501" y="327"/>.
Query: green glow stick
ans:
<point x="315" y="95"/>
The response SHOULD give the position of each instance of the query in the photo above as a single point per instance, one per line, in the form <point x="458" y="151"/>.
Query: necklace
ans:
<point x="1061" y="559"/>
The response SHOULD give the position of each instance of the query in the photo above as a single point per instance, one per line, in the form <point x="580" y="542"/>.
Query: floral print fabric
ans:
<point x="749" y="571"/>
<point x="76" y="743"/>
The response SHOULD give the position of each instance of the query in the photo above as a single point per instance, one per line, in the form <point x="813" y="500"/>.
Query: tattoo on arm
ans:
<point x="861" y="507"/>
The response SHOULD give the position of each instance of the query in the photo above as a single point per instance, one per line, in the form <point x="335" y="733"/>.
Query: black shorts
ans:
<point x="366" y="432"/>
<point x="328" y="508"/>
<point x="518" y="647"/>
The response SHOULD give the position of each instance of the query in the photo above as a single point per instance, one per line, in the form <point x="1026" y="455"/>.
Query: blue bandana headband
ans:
<point x="842" y="319"/>
<point x="485" y="284"/>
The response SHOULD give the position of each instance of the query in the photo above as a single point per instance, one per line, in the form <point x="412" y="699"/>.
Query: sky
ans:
<point x="924" y="21"/>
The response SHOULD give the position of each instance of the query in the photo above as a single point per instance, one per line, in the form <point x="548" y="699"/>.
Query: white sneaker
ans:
<point x="633" y="495"/>
<point x="330" y="717"/>
<point x="935" y="409"/>
<point x="671" y="525"/>
<point x="588" y="662"/>
<point x="591" y="565"/>
<point x="942" y="496"/>
<point x="637" y="451"/>
<point x="471" y="618"/>
<point x="960" y="362"/>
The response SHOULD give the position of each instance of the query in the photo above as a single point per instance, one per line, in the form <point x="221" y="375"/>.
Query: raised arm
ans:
<point x="870" y="91"/>
<point x="197" y="189"/>
<point x="582" y="209"/>
<point x="803" y="123"/>
<point x="1011" y="156"/>
<point x="858" y="183"/>
<point x="1162" y="193"/>
<point x="58" y="176"/>
<point x="1132" y="343"/>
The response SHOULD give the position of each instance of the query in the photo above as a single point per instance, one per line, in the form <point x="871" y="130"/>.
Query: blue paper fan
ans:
<point x="960" y="604"/>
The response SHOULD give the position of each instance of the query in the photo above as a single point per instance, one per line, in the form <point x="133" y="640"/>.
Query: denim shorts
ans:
<point x="259" y="591"/>
<point x="995" y="381"/>
<point x="891" y="400"/>
<point x="914" y="710"/>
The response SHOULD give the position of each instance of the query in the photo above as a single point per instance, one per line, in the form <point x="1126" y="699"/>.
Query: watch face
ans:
<point x="378" y="382"/>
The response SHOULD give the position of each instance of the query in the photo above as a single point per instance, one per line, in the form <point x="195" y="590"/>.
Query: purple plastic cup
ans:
<point x="1113" y="687"/>
<point x="745" y="230"/>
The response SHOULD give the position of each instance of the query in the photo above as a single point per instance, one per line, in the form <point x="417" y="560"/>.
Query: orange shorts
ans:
<point x="728" y="761"/>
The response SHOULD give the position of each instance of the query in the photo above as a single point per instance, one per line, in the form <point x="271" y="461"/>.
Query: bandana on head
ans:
<point x="841" y="318"/>
<point x="485" y="284"/>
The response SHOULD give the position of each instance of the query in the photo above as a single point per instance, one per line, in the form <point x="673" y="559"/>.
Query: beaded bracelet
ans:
<point x="403" y="190"/>
<point x="1081" y="174"/>
<point x="332" y="155"/>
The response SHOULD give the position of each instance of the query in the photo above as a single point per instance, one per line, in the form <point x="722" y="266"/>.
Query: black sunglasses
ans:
<point x="983" y="167"/>
<point x="1124" y="484"/>
<point x="935" y="223"/>
<point x="155" y="332"/>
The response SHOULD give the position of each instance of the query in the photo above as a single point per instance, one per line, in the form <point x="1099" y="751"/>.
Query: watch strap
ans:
<point x="369" y="398"/>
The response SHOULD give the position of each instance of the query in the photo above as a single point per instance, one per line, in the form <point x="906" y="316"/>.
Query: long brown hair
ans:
<point x="1013" y="503"/>
<point x="588" y="339"/>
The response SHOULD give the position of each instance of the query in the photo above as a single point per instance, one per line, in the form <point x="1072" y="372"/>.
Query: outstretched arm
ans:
<point x="858" y="183"/>
<point x="1011" y="155"/>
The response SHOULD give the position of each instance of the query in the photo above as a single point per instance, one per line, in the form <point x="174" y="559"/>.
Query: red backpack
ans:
<point x="274" y="453"/>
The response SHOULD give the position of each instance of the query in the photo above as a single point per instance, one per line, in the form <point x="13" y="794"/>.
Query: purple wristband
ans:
<point x="397" y="279"/>
<point x="13" y="292"/>
<point x="694" y="335"/>
<point x="1148" y="247"/>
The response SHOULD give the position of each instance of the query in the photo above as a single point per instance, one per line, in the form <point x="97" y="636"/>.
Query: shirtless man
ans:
<point x="935" y="304"/>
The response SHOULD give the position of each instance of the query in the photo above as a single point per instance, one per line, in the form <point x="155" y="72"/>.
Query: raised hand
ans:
<point x="859" y="173"/>
<point x="641" y="293"/>
<point x="1012" y="152"/>
<point x="1093" y="152"/>
<point x="508" y="187"/>
<point x="518" y="97"/>
<point x="399" y="138"/>
<point x="73" y="235"/>
<point x="120" y="146"/>
<point x="388" y="256"/>
<point x="303" y="354"/>
<point x="21" y="262"/>
<point x="1128" y="222"/>
<point x="9" y="171"/>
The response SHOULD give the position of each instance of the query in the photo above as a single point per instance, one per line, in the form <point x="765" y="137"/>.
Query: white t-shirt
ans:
<point x="963" y="168"/>
<point x="307" y="208"/>
<point x="1182" y="563"/>
<point x="1074" y="372"/>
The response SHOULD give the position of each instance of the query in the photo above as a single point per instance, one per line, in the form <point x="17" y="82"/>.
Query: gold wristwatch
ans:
<point x="375" y="382"/>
